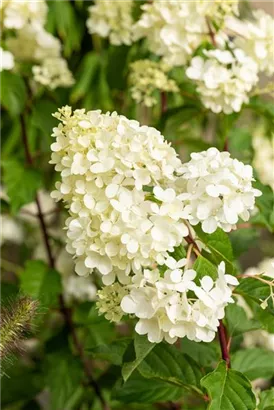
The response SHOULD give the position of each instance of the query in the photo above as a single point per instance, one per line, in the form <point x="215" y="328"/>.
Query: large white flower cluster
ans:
<point x="112" y="19"/>
<point x="257" y="39"/>
<point x="18" y="13"/>
<point x="30" y="42"/>
<point x="263" y="160"/>
<point x="175" y="304"/>
<point x="53" y="73"/>
<point x="171" y="29"/>
<point x="218" y="190"/>
<point x="118" y="183"/>
<point x="146" y="78"/>
<point x="224" y="79"/>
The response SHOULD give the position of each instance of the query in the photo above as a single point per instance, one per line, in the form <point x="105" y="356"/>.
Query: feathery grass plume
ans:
<point x="15" y="322"/>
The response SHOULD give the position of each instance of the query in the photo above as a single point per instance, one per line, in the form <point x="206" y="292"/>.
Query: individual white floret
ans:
<point x="218" y="190"/>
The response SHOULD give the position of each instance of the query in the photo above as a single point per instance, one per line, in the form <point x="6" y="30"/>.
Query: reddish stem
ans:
<point x="163" y="102"/>
<point x="224" y="343"/>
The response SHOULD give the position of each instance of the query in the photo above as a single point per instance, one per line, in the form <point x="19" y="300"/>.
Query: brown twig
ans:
<point x="211" y="33"/>
<point x="64" y="310"/>
<point x="163" y="102"/>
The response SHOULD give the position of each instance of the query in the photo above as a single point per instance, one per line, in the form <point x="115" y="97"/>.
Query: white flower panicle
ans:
<point x="109" y="302"/>
<point x="6" y="60"/>
<point x="171" y="30"/>
<point x="263" y="160"/>
<point x="224" y="79"/>
<point x="178" y="304"/>
<point x="33" y="43"/>
<point x="257" y="40"/>
<point x="218" y="190"/>
<point x="78" y="288"/>
<point x="147" y="77"/>
<point x="112" y="19"/>
<point x="18" y="13"/>
<point x="265" y="267"/>
<point x="53" y="73"/>
<point x="109" y="166"/>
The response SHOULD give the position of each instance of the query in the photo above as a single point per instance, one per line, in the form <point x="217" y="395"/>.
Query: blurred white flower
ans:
<point x="18" y="13"/>
<point x="33" y="43"/>
<point x="6" y="60"/>
<point x="106" y="162"/>
<point x="78" y="288"/>
<point x="176" y="305"/>
<point x="263" y="160"/>
<point x="53" y="73"/>
<point x="29" y="211"/>
<point x="10" y="230"/>
<point x="112" y="19"/>
<point x="147" y="77"/>
<point x="224" y="79"/>
<point x="218" y="190"/>
<point x="256" y="38"/>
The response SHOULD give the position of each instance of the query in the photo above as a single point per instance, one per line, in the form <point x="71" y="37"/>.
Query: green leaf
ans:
<point x="167" y="363"/>
<point x="112" y="352"/>
<point x="204" y="354"/>
<point x="21" y="183"/>
<point x="243" y="240"/>
<point x="204" y="267"/>
<point x="228" y="390"/>
<point x="237" y="321"/>
<point x="142" y="348"/>
<point x="64" y="374"/>
<point x="13" y="92"/>
<point x="254" y="363"/>
<point x="117" y="58"/>
<point x="140" y="390"/>
<point x="21" y="383"/>
<point x="41" y="116"/>
<point x="266" y="400"/>
<point x="85" y="75"/>
<point x="220" y="247"/>
<point x="40" y="282"/>
<point x="256" y="290"/>
<point x="265" y="203"/>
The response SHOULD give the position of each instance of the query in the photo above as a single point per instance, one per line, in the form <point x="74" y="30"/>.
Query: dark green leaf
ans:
<point x="21" y="383"/>
<point x="256" y="290"/>
<point x="220" y="247"/>
<point x="84" y="77"/>
<point x="142" y="348"/>
<point x="205" y="354"/>
<point x="140" y="390"/>
<point x="13" y="92"/>
<point x="237" y="321"/>
<point x="42" y="116"/>
<point x="64" y="374"/>
<point x="40" y="282"/>
<point x="228" y="390"/>
<point x="243" y="239"/>
<point x="254" y="363"/>
<point x="167" y="363"/>
<point x="21" y="183"/>
<point x="112" y="352"/>
<point x="117" y="57"/>
<point x="204" y="267"/>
